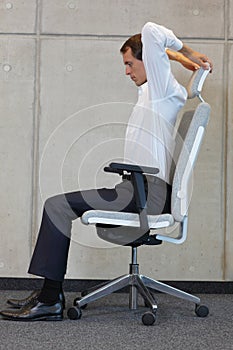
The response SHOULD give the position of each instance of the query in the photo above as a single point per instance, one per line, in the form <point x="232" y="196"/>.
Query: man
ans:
<point x="148" y="142"/>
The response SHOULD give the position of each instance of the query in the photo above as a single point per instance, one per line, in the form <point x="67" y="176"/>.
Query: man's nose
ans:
<point x="127" y="70"/>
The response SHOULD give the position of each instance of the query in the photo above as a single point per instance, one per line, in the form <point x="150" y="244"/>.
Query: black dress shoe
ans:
<point x="35" y="311"/>
<point x="19" y="303"/>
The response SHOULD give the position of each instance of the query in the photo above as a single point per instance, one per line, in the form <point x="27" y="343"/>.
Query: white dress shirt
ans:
<point x="149" y="134"/>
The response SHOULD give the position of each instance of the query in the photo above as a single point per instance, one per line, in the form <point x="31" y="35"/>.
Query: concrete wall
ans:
<point x="64" y="105"/>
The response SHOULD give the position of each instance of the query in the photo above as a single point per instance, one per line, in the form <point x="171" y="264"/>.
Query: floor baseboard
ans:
<point x="76" y="285"/>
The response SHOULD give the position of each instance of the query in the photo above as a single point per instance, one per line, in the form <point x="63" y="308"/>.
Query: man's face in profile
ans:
<point x="134" y="68"/>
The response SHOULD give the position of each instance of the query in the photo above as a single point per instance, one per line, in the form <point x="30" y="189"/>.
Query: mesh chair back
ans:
<point x="179" y="140"/>
<point x="188" y="142"/>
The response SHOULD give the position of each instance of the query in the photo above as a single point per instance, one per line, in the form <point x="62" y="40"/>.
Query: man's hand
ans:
<point x="197" y="57"/>
<point x="179" y="57"/>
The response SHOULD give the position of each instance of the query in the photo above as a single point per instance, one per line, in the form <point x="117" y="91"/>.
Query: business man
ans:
<point x="148" y="142"/>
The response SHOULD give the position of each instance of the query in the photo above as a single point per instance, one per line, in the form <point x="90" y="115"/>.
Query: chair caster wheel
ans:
<point x="201" y="310"/>
<point x="74" y="313"/>
<point x="76" y="300"/>
<point x="148" y="318"/>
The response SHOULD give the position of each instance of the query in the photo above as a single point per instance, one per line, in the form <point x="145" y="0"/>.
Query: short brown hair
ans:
<point x="135" y="44"/>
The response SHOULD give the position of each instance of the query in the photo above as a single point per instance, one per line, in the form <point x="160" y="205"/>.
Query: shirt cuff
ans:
<point x="177" y="45"/>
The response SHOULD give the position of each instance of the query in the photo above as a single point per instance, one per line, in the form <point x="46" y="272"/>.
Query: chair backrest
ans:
<point x="180" y="135"/>
<point x="188" y="141"/>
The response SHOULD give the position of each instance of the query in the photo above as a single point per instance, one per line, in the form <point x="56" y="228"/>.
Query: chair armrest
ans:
<point x="121" y="167"/>
<point x="136" y="174"/>
<point x="136" y="177"/>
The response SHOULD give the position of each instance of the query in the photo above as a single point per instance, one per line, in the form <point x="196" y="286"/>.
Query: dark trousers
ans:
<point x="51" y="251"/>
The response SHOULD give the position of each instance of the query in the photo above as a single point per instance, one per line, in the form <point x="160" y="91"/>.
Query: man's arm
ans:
<point x="179" y="57"/>
<point x="197" y="57"/>
<point x="155" y="40"/>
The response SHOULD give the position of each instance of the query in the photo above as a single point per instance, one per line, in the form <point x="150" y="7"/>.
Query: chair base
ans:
<point x="138" y="284"/>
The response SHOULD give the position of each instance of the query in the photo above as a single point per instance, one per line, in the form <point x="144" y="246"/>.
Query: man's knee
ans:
<point x="58" y="205"/>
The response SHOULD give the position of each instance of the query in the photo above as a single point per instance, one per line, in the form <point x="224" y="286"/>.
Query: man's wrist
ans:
<point x="186" y="50"/>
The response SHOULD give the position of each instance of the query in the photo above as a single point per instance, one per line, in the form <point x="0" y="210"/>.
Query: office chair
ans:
<point x="136" y="229"/>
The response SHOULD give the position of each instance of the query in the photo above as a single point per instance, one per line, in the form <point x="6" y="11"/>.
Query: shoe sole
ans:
<point x="39" y="318"/>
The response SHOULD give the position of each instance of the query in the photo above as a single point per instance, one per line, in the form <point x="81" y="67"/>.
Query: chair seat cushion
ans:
<point x="125" y="219"/>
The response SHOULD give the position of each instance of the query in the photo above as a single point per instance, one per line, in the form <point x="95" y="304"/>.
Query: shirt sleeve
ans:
<point x="155" y="40"/>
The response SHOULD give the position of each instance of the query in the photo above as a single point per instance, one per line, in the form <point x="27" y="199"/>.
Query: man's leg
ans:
<point x="51" y="251"/>
<point x="49" y="259"/>
<point x="50" y="254"/>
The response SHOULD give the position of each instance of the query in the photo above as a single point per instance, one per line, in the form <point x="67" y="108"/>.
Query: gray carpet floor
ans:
<point x="109" y="324"/>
